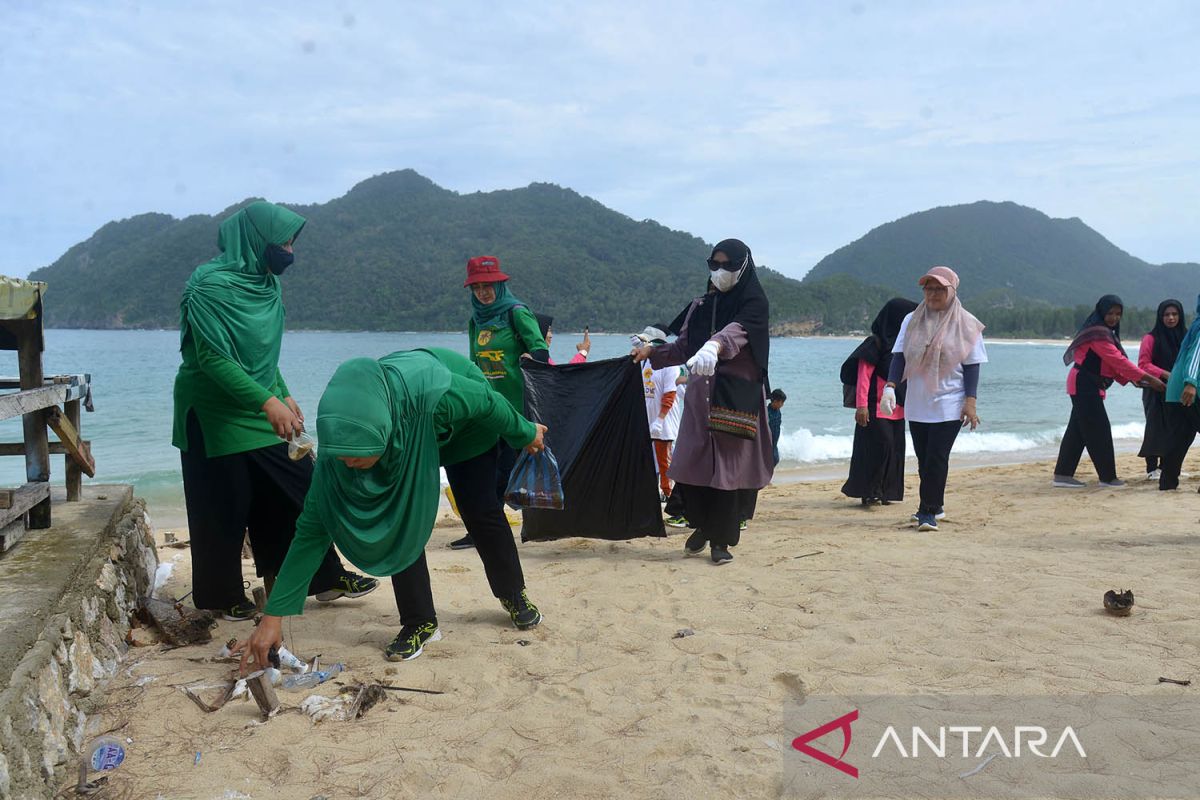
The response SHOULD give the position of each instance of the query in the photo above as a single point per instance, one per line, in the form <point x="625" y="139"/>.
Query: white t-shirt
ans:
<point x="656" y="383"/>
<point x="671" y="423"/>
<point x="945" y="403"/>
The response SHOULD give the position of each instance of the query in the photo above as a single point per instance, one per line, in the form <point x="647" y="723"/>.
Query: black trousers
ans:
<point x="932" y="442"/>
<point x="1183" y="423"/>
<point x="677" y="507"/>
<point x="718" y="512"/>
<point x="474" y="485"/>
<point x="877" y="460"/>
<point x="260" y="492"/>
<point x="1087" y="428"/>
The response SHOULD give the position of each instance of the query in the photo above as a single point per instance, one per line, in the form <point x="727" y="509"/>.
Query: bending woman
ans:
<point x="232" y="409"/>
<point x="1096" y="359"/>
<point x="723" y="453"/>
<point x="1160" y="348"/>
<point x="877" y="461"/>
<point x="938" y="352"/>
<point x="384" y="427"/>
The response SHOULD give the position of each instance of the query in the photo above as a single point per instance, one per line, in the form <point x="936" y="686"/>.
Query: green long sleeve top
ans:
<point x="468" y="419"/>
<point x="228" y="402"/>
<point x="497" y="350"/>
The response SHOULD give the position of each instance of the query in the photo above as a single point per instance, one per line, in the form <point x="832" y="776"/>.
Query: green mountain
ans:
<point x="1007" y="255"/>
<point x="391" y="255"/>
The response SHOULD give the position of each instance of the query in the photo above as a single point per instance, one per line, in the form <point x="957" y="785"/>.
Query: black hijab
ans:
<point x="1094" y="328"/>
<point x="544" y="322"/>
<point x="1167" y="340"/>
<point x="877" y="348"/>
<point x="745" y="303"/>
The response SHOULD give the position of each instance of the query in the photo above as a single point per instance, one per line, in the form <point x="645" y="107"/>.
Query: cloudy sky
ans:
<point x="796" y="126"/>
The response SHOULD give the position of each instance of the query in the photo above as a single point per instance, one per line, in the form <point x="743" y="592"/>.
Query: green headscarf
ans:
<point x="496" y="314"/>
<point x="380" y="517"/>
<point x="233" y="302"/>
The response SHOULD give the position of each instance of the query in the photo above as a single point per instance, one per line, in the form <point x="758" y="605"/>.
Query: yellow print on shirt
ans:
<point x="484" y="337"/>
<point x="491" y="363"/>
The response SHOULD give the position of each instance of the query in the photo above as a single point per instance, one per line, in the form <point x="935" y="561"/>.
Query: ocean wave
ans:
<point x="805" y="447"/>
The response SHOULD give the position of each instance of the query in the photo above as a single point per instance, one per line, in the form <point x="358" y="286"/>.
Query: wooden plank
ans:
<point x="74" y="469"/>
<point x="178" y="624"/>
<point x="12" y="533"/>
<point x="28" y="401"/>
<point x="76" y="385"/>
<point x="61" y="425"/>
<point x="18" y="448"/>
<point x="263" y="694"/>
<point x="37" y="449"/>
<point x="23" y="499"/>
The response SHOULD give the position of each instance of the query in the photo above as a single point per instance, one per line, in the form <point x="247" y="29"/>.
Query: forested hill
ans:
<point x="1008" y="255"/>
<point x="391" y="255"/>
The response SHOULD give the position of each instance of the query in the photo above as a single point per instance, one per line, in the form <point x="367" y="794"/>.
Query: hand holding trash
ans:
<point x="539" y="442"/>
<point x="887" y="403"/>
<point x="268" y="634"/>
<point x="705" y="360"/>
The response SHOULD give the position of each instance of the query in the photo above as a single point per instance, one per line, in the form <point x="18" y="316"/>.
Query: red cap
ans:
<point x="484" y="269"/>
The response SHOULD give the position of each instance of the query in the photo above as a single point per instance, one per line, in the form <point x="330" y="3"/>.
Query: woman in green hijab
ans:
<point x="500" y="330"/>
<point x="384" y="427"/>
<point x="232" y="409"/>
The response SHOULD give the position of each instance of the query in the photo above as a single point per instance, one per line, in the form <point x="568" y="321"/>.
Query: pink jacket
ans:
<point x="1145" y="354"/>
<point x="1113" y="364"/>
<point x="865" y="370"/>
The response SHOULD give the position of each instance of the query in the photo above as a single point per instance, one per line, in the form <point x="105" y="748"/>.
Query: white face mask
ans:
<point x="724" y="279"/>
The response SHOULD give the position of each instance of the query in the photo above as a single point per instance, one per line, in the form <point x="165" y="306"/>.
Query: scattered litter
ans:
<point x="193" y="693"/>
<point x="145" y="679"/>
<point x="234" y="794"/>
<point x="1172" y="680"/>
<point x="806" y="555"/>
<point x="524" y="642"/>
<point x="978" y="769"/>
<point x="162" y="574"/>
<point x="406" y="689"/>
<point x="683" y="632"/>
<point x="352" y="703"/>
<point x="287" y="659"/>
<point x="310" y="679"/>
<point x="1119" y="603"/>
<point x="196" y="763"/>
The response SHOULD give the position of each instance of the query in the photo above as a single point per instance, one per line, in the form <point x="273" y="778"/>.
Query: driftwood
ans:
<point x="220" y="700"/>
<point x="366" y="699"/>
<point x="263" y="694"/>
<point x="178" y="624"/>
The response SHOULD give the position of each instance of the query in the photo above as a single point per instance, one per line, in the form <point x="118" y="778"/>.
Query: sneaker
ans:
<point x="349" y="584"/>
<point x="240" y="611"/>
<point x="939" y="514"/>
<point x="411" y="641"/>
<point x="524" y="614"/>
<point x="742" y="525"/>
<point x="465" y="543"/>
<point x="695" y="544"/>
<point x="926" y="522"/>
<point x="1115" y="483"/>
<point x="1154" y="475"/>
<point x="1067" y="482"/>
<point x="677" y="522"/>
<point x="721" y="555"/>
<point x="866" y="502"/>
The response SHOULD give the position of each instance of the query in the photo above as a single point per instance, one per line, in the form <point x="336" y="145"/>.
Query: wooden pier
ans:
<point x="53" y="403"/>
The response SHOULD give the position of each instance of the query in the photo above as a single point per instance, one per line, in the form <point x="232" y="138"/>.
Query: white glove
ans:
<point x="656" y="428"/>
<point x="705" y="360"/>
<point x="887" y="403"/>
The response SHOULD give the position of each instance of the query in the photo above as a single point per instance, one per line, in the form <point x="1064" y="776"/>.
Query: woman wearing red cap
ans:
<point x="938" y="351"/>
<point x="500" y="330"/>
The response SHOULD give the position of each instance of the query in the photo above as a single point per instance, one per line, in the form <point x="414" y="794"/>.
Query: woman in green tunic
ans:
<point x="232" y="408"/>
<point x="384" y="427"/>
<point x="500" y="331"/>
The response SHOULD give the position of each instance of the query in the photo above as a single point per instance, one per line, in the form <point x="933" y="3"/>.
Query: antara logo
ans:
<point x="1033" y="737"/>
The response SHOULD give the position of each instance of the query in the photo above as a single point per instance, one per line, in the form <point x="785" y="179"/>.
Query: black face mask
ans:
<point x="278" y="259"/>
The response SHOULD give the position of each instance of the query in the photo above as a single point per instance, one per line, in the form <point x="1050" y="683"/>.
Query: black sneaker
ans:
<point x="240" y="611"/>
<point x="695" y="543"/>
<point x="349" y="584"/>
<point x="465" y="543"/>
<point x="411" y="640"/>
<point x="524" y="614"/>
<point x="721" y="555"/>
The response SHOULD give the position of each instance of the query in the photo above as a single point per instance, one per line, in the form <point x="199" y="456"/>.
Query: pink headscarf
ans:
<point x="936" y="342"/>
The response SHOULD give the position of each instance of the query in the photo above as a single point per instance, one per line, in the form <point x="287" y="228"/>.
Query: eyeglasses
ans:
<point x="713" y="264"/>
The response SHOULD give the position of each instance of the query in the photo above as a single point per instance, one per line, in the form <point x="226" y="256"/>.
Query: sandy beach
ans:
<point x="602" y="700"/>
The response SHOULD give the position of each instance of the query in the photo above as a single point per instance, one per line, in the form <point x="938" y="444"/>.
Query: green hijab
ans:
<point x="380" y="517"/>
<point x="496" y="314"/>
<point x="233" y="302"/>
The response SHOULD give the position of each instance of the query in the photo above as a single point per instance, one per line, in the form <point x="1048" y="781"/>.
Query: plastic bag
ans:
<point x="534" y="482"/>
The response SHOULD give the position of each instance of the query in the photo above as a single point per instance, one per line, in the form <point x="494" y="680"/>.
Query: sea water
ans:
<point x="1022" y="398"/>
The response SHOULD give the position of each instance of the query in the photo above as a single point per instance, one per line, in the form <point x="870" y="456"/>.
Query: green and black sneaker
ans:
<point x="349" y="584"/>
<point x="240" y="612"/>
<point x="411" y="640"/>
<point x="524" y="614"/>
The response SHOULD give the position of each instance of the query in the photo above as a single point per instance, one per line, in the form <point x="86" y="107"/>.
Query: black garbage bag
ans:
<point x="596" y="416"/>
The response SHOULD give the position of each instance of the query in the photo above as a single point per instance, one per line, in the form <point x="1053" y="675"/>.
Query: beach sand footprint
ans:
<point x="793" y="683"/>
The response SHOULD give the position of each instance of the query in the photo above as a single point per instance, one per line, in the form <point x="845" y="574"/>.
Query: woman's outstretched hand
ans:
<point x="267" y="634"/>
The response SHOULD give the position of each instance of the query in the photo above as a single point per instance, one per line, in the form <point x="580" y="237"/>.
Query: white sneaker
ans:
<point x="1153" y="476"/>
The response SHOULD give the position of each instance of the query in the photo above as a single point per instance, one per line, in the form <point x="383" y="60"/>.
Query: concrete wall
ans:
<point x="58" y="681"/>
